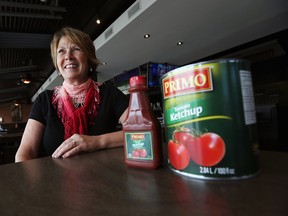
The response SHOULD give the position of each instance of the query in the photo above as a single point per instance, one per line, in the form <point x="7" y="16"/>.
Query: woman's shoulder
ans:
<point x="44" y="97"/>
<point x="108" y="88"/>
<point x="45" y="93"/>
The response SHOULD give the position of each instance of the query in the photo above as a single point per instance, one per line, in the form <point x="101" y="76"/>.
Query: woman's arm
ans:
<point x="84" y="143"/>
<point x="30" y="142"/>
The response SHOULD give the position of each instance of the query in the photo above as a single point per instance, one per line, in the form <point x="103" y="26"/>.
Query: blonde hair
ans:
<point x="81" y="39"/>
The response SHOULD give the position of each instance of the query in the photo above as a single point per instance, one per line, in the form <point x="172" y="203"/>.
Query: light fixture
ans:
<point x="98" y="20"/>
<point x="179" y="43"/>
<point x="16" y="103"/>
<point x="26" y="81"/>
<point x="147" y="35"/>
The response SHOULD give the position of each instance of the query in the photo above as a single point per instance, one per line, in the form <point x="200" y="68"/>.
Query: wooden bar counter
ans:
<point x="99" y="183"/>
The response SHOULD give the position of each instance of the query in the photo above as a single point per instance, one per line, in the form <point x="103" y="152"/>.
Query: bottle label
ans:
<point x="139" y="145"/>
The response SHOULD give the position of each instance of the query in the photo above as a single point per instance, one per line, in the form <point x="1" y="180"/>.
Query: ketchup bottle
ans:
<point x="142" y="130"/>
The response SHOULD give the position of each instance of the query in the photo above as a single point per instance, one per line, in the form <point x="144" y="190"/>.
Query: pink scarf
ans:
<point x="76" y="106"/>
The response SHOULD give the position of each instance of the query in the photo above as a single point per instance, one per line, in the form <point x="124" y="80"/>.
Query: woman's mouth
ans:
<point x="70" y="66"/>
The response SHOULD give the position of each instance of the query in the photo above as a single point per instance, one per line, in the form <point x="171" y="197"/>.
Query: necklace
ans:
<point x="78" y="100"/>
<point x="77" y="93"/>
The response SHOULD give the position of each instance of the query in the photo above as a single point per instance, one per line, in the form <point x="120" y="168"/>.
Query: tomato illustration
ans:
<point x="142" y="153"/>
<point x="139" y="153"/>
<point x="185" y="137"/>
<point x="135" y="153"/>
<point x="207" y="149"/>
<point x="178" y="155"/>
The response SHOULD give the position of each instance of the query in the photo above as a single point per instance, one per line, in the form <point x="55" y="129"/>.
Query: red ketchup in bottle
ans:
<point x="142" y="130"/>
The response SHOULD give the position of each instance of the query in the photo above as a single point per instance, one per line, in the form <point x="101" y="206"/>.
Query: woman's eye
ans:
<point x="60" y="51"/>
<point x="76" y="49"/>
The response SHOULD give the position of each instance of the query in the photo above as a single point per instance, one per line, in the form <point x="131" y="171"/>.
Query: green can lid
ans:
<point x="137" y="80"/>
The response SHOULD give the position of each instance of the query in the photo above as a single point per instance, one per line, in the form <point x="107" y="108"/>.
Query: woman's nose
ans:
<point x="68" y="55"/>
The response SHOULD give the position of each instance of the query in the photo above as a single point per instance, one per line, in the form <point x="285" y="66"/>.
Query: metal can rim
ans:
<point x="222" y="60"/>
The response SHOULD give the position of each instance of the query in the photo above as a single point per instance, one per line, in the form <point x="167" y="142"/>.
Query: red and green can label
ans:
<point x="210" y="120"/>
<point x="139" y="145"/>
<point x="185" y="83"/>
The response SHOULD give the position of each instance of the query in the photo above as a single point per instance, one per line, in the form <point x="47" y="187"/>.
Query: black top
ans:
<point x="112" y="105"/>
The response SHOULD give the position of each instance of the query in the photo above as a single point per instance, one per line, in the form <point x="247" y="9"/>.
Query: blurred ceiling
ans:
<point x="26" y="27"/>
<point x="208" y="30"/>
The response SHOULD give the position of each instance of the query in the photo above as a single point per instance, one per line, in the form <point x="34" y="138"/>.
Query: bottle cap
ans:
<point x="137" y="80"/>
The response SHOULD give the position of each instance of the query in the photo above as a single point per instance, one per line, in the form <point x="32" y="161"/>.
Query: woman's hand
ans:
<point x="77" y="144"/>
<point x="85" y="143"/>
<point x="73" y="145"/>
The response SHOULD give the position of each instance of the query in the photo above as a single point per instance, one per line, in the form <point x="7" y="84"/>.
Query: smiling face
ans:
<point x="72" y="62"/>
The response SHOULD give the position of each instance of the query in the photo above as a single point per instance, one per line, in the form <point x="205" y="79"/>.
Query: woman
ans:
<point x="79" y="116"/>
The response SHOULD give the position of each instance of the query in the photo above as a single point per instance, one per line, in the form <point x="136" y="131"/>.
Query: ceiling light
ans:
<point x="179" y="43"/>
<point x="146" y="35"/>
<point x="98" y="20"/>
<point x="16" y="103"/>
<point x="26" y="81"/>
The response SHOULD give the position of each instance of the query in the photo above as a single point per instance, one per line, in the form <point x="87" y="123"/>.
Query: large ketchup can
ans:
<point x="210" y="120"/>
